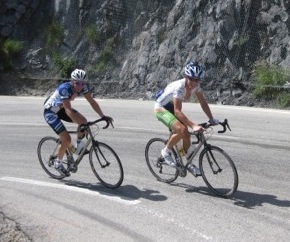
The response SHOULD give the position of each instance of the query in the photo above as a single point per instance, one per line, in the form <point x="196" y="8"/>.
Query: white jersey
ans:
<point x="175" y="89"/>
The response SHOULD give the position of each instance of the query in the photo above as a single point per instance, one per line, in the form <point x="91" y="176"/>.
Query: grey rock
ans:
<point x="152" y="40"/>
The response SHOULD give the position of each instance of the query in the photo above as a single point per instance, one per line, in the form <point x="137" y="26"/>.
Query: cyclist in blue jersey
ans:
<point x="58" y="107"/>
<point x="168" y="110"/>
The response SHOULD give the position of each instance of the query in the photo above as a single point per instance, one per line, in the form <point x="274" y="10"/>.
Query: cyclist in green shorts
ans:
<point x="168" y="110"/>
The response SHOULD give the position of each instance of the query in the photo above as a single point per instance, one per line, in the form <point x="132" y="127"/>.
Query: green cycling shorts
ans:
<point x="166" y="117"/>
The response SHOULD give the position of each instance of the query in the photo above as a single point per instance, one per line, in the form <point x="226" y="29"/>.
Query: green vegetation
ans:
<point x="242" y="40"/>
<point x="54" y="38"/>
<point x="283" y="99"/>
<point x="107" y="56"/>
<point x="269" y="82"/>
<point x="12" y="47"/>
<point x="93" y="33"/>
<point x="8" y="49"/>
<point x="64" y="65"/>
<point x="55" y="35"/>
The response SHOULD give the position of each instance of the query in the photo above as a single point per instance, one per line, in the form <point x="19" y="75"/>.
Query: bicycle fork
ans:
<point x="212" y="162"/>
<point x="98" y="152"/>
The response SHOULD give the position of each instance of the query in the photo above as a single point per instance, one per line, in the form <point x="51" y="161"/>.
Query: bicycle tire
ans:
<point x="106" y="165"/>
<point x="225" y="182"/>
<point x="155" y="162"/>
<point x="46" y="150"/>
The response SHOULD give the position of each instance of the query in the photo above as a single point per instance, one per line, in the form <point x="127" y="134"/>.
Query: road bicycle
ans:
<point x="104" y="161"/>
<point x="216" y="166"/>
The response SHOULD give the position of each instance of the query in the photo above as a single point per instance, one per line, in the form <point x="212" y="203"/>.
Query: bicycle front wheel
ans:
<point x="106" y="165"/>
<point x="46" y="151"/>
<point x="156" y="163"/>
<point x="218" y="171"/>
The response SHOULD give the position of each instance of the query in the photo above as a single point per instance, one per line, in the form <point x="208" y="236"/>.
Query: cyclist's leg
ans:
<point x="54" y="121"/>
<point x="184" y="132"/>
<point x="80" y="120"/>
<point x="170" y="121"/>
<point x="179" y="132"/>
<point x="186" y="140"/>
<point x="56" y="124"/>
<point x="65" y="142"/>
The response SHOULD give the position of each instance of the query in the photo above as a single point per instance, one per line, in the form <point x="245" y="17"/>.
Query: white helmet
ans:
<point x="78" y="75"/>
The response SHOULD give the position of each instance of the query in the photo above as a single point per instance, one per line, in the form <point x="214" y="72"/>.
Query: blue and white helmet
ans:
<point x="193" y="69"/>
<point x="78" y="75"/>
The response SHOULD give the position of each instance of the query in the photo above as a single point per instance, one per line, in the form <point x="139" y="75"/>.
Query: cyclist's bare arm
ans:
<point x="204" y="105"/>
<point x="94" y="104"/>
<point x="180" y="115"/>
<point x="75" y="116"/>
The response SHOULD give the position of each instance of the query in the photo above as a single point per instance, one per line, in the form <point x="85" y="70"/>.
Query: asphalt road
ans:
<point x="79" y="208"/>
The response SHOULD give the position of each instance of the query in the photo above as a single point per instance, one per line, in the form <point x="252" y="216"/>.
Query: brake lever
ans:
<point x="225" y="125"/>
<point x="228" y="126"/>
<point x="109" y="122"/>
<point x="112" y="124"/>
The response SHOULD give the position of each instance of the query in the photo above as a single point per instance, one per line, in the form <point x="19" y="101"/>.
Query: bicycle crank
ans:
<point x="181" y="170"/>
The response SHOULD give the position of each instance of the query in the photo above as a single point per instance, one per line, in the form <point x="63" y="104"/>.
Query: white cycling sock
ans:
<point x="167" y="150"/>
<point x="57" y="162"/>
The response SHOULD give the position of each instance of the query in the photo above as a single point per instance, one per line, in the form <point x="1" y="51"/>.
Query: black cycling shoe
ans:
<point x="62" y="170"/>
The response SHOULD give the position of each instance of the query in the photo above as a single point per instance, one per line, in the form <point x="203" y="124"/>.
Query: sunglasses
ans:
<point x="193" y="79"/>
<point x="80" y="83"/>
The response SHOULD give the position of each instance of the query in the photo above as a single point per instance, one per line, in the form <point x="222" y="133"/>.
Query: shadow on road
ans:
<point x="127" y="192"/>
<point x="240" y="198"/>
<point x="190" y="188"/>
<point x="250" y="200"/>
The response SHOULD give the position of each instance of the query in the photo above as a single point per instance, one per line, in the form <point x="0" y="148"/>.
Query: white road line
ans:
<point x="119" y="199"/>
<point x="175" y="223"/>
<point x="24" y="124"/>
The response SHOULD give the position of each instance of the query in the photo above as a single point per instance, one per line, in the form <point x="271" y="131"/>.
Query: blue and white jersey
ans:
<point x="63" y="92"/>
<point x="175" y="89"/>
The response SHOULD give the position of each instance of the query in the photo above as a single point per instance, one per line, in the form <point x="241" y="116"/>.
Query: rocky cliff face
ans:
<point x="148" y="42"/>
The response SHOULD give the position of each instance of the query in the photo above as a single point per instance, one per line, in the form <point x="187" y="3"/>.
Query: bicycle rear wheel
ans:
<point x="106" y="165"/>
<point x="156" y="163"/>
<point x="218" y="171"/>
<point x="46" y="151"/>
